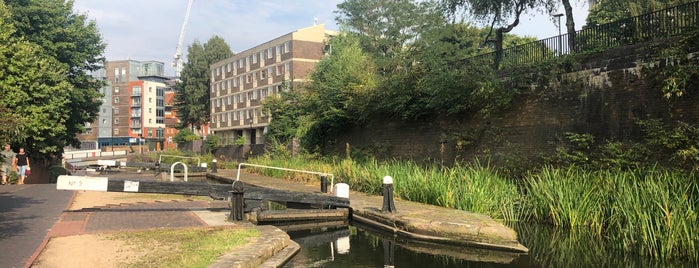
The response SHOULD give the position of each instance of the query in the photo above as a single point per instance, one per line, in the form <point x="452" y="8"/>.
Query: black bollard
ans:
<point x="237" y="202"/>
<point x="389" y="253"/>
<point x="324" y="184"/>
<point x="388" y="205"/>
<point x="214" y="166"/>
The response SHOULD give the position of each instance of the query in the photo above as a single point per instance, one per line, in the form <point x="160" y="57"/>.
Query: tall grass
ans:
<point x="648" y="211"/>
<point x="474" y="188"/>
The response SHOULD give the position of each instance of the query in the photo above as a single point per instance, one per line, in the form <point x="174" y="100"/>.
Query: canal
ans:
<point x="357" y="245"/>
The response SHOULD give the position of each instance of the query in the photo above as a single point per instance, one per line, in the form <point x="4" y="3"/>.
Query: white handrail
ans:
<point x="172" y="171"/>
<point x="332" y="177"/>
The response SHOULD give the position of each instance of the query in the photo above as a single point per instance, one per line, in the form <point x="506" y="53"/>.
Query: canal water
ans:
<point x="357" y="245"/>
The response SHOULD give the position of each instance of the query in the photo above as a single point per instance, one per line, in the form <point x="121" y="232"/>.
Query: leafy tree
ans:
<point x="192" y="101"/>
<point x="76" y="45"/>
<point x="606" y="11"/>
<point x="385" y="28"/>
<point x="339" y="90"/>
<point x="35" y="95"/>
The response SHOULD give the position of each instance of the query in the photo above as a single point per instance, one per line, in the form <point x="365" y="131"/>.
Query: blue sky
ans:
<point x="150" y="29"/>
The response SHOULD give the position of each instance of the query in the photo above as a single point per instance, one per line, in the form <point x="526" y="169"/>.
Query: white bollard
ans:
<point x="342" y="190"/>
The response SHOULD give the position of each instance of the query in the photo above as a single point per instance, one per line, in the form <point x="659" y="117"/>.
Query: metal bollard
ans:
<point x="388" y="205"/>
<point x="214" y="166"/>
<point x="237" y="202"/>
<point x="324" y="184"/>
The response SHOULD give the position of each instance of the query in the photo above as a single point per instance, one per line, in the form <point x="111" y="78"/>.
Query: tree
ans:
<point x="35" y="97"/>
<point x="192" y="101"/>
<point x="606" y="11"/>
<point x="76" y="45"/>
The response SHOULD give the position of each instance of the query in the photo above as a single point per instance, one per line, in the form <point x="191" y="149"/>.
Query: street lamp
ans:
<point x="560" y="46"/>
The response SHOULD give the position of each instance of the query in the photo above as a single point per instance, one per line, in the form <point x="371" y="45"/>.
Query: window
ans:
<point x="116" y="75"/>
<point x="235" y="98"/>
<point x="116" y="121"/>
<point x="116" y="89"/>
<point x="287" y="46"/>
<point x="116" y="110"/>
<point x="263" y="75"/>
<point x="287" y="67"/>
<point x="248" y="78"/>
<point x="228" y="67"/>
<point x="150" y="100"/>
<point x="229" y="99"/>
<point x="279" y="69"/>
<point x="116" y="131"/>
<point x="262" y="53"/>
<point x="254" y="58"/>
<point x="247" y="61"/>
<point x="150" y="110"/>
<point x="279" y="50"/>
<point x="235" y="116"/>
<point x="240" y="63"/>
<point x="269" y="53"/>
<point x="235" y="82"/>
<point x="270" y="71"/>
<point x="104" y="122"/>
<point x="116" y="99"/>
<point x="150" y="89"/>
<point x="254" y="94"/>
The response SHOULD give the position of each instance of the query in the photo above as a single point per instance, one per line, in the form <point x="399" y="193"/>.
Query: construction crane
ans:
<point x="177" y="59"/>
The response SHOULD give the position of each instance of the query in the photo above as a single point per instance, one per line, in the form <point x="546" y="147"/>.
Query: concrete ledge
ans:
<point x="272" y="248"/>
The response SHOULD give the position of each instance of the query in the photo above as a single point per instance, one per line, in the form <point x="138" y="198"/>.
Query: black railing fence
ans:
<point x="659" y="24"/>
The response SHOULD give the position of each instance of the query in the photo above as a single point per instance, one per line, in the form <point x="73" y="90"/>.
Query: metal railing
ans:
<point x="659" y="24"/>
<point x="332" y="177"/>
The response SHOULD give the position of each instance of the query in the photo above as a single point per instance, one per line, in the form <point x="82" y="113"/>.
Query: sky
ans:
<point x="149" y="30"/>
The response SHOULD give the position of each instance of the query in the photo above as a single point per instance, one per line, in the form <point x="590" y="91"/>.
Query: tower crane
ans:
<point x="177" y="59"/>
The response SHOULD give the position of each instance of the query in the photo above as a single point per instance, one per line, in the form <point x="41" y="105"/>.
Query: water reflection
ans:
<point x="555" y="247"/>
<point x="340" y="245"/>
<point x="360" y="246"/>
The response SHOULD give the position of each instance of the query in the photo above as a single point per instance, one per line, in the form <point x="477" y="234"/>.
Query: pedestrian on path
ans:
<point x="8" y="158"/>
<point x="22" y="162"/>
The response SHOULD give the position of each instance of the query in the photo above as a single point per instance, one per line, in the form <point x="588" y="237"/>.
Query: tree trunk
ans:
<point x="570" y="24"/>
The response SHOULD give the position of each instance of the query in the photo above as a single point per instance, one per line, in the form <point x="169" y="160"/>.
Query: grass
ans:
<point x="646" y="211"/>
<point x="191" y="247"/>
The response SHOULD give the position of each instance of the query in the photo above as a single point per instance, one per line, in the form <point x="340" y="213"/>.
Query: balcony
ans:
<point x="135" y="125"/>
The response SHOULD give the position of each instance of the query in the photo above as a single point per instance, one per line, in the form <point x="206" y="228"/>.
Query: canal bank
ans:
<point x="410" y="220"/>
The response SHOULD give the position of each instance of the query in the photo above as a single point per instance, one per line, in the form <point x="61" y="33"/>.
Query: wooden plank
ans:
<point x="221" y="191"/>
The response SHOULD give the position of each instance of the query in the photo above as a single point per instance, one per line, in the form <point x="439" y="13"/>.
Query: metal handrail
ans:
<point x="332" y="177"/>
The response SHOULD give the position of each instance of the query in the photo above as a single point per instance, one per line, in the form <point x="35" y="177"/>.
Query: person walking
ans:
<point x="22" y="162"/>
<point x="8" y="158"/>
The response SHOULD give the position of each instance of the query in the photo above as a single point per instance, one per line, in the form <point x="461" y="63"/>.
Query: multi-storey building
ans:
<point x="240" y="83"/>
<point x="133" y="106"/>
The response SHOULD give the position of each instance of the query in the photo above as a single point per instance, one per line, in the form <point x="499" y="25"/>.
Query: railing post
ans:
<point x="214" y="166"/>
<point x="237" y="202"/>
<point x="324" y="184"/>
<point x="388" y="205"/>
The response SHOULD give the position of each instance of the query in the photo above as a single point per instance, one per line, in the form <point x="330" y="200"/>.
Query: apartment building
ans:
<point x="240" y="83"/>
<point x="133" y="107"/>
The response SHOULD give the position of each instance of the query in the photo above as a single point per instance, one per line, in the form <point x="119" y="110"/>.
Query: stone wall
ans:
<point x="610" y="93"/>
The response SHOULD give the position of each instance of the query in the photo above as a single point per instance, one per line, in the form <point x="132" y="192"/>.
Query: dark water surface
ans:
<point x="360" y="246"/>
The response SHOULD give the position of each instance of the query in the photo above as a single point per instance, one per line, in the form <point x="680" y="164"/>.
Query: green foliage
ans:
<point x="680" y="75"/>
<point x="185" y="135"/>
<point x="645" y="211"/>
<point x="46" y="53"/>
<point x="212" y="143"/>
<point x="192" y="100"/>
<point x="576" y="149"/>
<point x="240" y="141"/>
<point x="680" y="141"/>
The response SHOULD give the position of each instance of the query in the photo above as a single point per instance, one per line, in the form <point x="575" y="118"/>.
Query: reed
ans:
<point x="474" y="188"/>
<point x="648" y="211"/>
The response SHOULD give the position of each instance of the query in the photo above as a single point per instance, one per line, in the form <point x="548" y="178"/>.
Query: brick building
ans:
<point x="240" y="83"/>
<point x="133" y="109"/>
